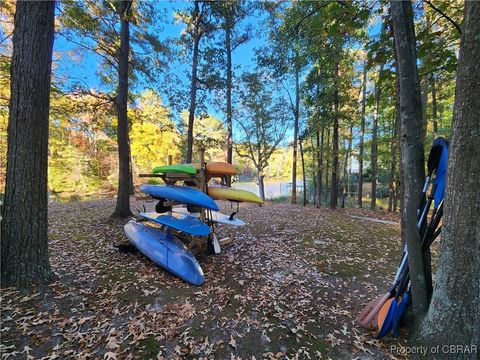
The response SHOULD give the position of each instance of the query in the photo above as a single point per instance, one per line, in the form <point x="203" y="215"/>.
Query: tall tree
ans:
<point x="336" y="104"/>
<point x="304" y="175"/>
<point x="286" y="57"/>
<point x="263" y="124"/>
<point x="454" y="313"/>
<point x="198" y="25"/>
<point x="327" y="168"/>
<point x="24" y="236"/>
<point x="347" y="166"/>
<point x="411" y="146"/>
<point x="319" y="165"/>
<point x="93" y="27"/>
<point x="122" y="208"/>
<point x="231" y="14"/>
<point x="196" y="35"/>
<point x="362" y="134"/>
<point x="378" y="92"/>
<point x="296" y="119"/>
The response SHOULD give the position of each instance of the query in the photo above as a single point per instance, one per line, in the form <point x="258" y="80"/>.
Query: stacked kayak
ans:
<point x="165" y="250"/>
<point x="227" y="193"/>
<point x="184" y="216"/>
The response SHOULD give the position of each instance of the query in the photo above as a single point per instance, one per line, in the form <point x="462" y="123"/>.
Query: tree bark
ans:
<point x="399" y="181"/>
<point x="393" y="166"/>
<point x="334" y="197"/>
<point x="434" y="106"/>
<point x="302" y="159"/>
<point x="193" y="85"/>
<point x="261" y="184"/>
<point x="454" y="314"/>
<point x="411" y="147"/>
<point x="24" y="232"/>
<point x="362" y="136"/>
<point x="122" y="208"/>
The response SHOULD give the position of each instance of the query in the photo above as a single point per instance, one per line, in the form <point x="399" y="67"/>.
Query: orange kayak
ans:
<point x="219" y="168"/>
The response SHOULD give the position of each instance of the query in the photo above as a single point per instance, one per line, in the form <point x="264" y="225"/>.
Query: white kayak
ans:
<point x="217" y="217"/>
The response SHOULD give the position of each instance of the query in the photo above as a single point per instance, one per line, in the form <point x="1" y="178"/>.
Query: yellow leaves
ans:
<point x="151" y="144"/>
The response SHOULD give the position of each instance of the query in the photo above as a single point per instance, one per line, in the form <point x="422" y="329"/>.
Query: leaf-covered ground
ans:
<point x="289" y="286"/>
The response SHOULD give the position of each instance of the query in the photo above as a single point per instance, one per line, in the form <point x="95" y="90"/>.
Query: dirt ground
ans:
<point x="289" y="286"/>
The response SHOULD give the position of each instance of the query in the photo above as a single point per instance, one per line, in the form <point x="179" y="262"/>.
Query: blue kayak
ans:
<point x="181" y="222"/>
<point x="180" y="194"/>
<point x="166" y="251"/>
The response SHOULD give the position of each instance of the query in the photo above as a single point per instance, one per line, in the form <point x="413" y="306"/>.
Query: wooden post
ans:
<point x="170" y="159"/>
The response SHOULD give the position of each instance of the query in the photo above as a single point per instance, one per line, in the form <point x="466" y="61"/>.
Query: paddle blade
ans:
<point x="366" y="311"/>
<point x="383" y="312"/>
<point x="388" y="322"/>
<point x="399" y="312"/>
<point x="376" y="308"/>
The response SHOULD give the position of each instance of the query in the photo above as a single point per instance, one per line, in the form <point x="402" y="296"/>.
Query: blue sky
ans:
<point x="81" y="66"/>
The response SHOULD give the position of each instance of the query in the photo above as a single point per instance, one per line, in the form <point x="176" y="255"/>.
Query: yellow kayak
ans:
<point x="226" y="193"/>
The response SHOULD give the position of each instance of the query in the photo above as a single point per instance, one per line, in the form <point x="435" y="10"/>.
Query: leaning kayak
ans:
<point x="166" y="251"/>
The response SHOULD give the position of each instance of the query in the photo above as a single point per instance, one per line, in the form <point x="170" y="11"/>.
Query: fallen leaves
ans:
<point x="232" y="342"/>
<point x="289" y="286"/>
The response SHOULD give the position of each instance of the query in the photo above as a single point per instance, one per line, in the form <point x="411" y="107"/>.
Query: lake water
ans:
<point x="273" y="189"/>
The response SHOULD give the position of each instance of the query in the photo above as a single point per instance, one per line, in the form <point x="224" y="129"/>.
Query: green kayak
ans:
<point x="179" y="168"/>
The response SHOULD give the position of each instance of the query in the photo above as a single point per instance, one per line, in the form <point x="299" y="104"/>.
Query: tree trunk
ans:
<point x="319" y="167"/>
<point x="334" y="197"/>
<point x="193" y="84"/>
<point x="362" y="135"/>
<point x="393" y="166"/>
<point x="327" y="169"/>
<point x="314" y="171"/>
<point x="434" y="106"/>
<point x="228" y="49"/>
<point x="399" y="182"/>
<point x="122" y="208"/>
<point x="130" y="180"/>
<point x="302" y="159"/>
<point x="374" y="147"/>
<point x="261" y="185"/>
<point x="345" y="166"/>
<point x="295" y="133"/>
<point x="454" y="314"/>
<point x="411" y="147"/>
<point x="24" y="232"/>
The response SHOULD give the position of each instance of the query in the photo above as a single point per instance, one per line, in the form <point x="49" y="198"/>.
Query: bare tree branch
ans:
<point x="448" y="18"/>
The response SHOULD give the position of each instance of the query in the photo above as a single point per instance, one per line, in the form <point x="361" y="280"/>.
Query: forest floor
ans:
<point x="289" y="286"/>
